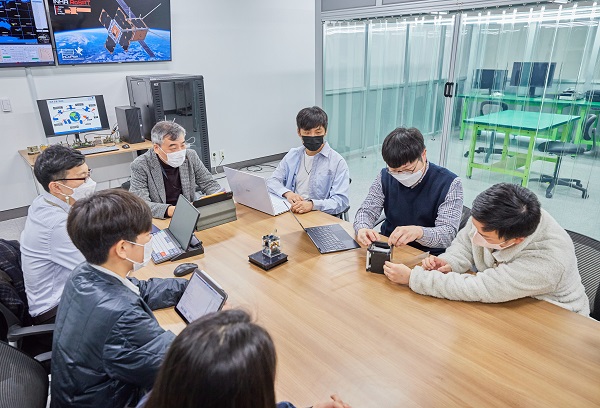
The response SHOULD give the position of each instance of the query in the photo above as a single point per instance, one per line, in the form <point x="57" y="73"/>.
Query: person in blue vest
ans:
<point x="421" y="200"/>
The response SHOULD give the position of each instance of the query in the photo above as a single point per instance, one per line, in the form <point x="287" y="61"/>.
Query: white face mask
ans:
<point x="408" y="179"/>
<point x="175" y="159"/>
<point x="479" y="240"/>
<point x="147" y="255"/>
<point x="85" y="190"/>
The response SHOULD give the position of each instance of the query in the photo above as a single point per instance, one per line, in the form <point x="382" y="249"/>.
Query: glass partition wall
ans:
<point x="522" y="77"/>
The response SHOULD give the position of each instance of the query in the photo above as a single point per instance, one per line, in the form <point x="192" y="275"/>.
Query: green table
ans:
<point x="522" y="123"/>
<point x="583" y="107"/>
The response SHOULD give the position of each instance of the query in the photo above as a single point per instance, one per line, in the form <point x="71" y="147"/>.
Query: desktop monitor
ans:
<point x="111" y="31"/>
<point x="490" y="79"/>
<point x="74" y="115"/>
<point x="24" y="34"/>
<point x="532" y="75"/>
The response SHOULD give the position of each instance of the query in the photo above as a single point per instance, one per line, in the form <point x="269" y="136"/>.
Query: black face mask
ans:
<point x="312" y="143"/>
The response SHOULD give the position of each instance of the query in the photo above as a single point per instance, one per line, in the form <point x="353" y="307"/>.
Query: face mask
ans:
<point x="408" y="179"/>
<point x="312" y="143"/>
<point x="83" y="191"/>
<point x="147" y="255"/>
<point x="175" y="159"/>
<point x="478" y="240"/>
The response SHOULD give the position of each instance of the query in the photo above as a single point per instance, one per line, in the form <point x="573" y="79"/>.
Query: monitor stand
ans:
<point x="77" y="139"/>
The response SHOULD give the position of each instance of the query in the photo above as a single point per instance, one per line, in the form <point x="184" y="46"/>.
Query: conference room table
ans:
<point x="338" y="328"/>
<point x="521" y="123"/>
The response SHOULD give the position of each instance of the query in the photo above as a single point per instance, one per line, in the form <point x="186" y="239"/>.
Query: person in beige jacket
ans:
<point x="516" y="250"/>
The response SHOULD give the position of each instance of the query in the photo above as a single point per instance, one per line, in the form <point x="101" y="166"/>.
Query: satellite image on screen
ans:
<point x="110" y="31"/>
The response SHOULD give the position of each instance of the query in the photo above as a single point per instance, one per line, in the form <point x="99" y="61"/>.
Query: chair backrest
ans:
<point x="466" y="213"/>
<point x="12" y="286"/>
<point x="589" y="131"/>
<point x="587" y="251"/>
<point x="24" y="380"/>
<point x="487" y="107"/>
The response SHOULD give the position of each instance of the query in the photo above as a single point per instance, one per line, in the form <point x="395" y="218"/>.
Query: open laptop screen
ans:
<point x="183" y="223"/>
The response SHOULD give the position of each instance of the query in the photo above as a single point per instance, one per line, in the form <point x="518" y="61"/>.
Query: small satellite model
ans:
<point x="125" y="28"/>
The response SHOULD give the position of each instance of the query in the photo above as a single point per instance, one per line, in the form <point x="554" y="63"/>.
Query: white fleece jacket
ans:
<point x="543" y="266"/>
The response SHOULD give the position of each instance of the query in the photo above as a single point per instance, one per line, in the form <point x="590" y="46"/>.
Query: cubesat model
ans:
<point x="125" y="28"/>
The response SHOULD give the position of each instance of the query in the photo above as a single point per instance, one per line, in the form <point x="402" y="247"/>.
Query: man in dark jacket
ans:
<point x="107" y="344"/>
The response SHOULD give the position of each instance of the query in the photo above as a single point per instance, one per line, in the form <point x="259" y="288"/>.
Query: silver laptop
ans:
<point x="251" y="190"/>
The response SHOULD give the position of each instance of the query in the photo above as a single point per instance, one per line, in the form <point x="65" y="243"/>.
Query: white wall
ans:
<point x="257" y="59"/>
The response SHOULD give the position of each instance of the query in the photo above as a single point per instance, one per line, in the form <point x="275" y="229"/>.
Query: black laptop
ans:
<point x="329" y="238"/>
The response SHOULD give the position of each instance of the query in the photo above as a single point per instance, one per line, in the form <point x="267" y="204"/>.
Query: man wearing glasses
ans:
<point x="47" y="254"/>
<point x="160" y="175"/>
<point x="422" y="201"/>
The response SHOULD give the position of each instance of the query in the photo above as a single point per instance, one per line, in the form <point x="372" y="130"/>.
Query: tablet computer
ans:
<point x="202" y="296"/>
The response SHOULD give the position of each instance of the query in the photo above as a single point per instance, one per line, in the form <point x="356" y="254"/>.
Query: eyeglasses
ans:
<point x="406" y="171"/>
<point x="78" y="178"/>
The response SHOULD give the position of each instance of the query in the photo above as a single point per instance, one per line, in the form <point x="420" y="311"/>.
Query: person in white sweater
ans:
<point x="516" y="250"/>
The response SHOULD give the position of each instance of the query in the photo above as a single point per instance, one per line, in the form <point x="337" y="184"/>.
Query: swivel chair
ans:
<point x="587" y="251"/>
<point x="486" y="108"/>
<point x="561" y="149"/>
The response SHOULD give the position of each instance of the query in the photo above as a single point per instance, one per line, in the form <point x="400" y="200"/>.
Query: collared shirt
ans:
<point x="329" y="179"/>
<point x="47" y="253"/>
<point x="446" y="222"/>
<point x="124" y="281"/>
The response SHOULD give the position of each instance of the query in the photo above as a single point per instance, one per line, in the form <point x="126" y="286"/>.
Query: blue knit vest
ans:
<point x="415" y="206"/>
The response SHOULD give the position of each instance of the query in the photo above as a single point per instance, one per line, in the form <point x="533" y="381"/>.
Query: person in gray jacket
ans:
<point x="516" y="250"/>
<point x="160" y="175"/>
<point x="107" y="345"/>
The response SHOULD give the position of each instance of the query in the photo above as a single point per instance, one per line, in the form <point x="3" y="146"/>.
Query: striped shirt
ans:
<point x="446" y="223"/>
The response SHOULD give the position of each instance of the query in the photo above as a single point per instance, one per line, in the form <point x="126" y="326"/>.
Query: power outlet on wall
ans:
<point x="214" y="157"/>
<point x="221" y="155"/>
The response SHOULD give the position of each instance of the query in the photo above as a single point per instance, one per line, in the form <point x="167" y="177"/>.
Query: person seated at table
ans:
<point x="422" y="201"/>
<point x="160" y="175"/>
<point x="107" y="344"/>
<point x="47" y="254"/>
<point x="221" y="360"/>
<point x="516" y="249"/>
<point x="313" y="176"/>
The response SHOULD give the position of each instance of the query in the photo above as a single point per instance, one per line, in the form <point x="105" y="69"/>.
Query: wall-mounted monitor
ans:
<point x="490" y="79"/>
<point x="24" y="34"/>
<point x="111" y="31"/>
<point x="73" y="115"/>
<point x="532" y="75"/>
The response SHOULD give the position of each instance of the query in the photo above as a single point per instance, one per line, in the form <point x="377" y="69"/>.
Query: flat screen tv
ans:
<point x="24" y="34"/>
<point x="111" y="31"/>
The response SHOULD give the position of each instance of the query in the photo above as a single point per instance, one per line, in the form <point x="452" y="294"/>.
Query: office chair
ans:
<point x="561" y="149"/>
<point x="587" y="251"/>
<point x="486" y="108"/>
<point x="24" y="381"/>
<point x="344" y="214"/>
<point x="125" y="186"/>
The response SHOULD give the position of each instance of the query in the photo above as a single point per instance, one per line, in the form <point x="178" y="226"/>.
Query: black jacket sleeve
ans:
<point x="161" y="293"/>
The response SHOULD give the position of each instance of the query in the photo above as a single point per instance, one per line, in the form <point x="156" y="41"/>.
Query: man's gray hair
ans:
<point x="165" y="129"/>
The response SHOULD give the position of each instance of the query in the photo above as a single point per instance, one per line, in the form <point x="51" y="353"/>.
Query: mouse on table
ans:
<point x="125" y="146"/>
<point x="185" y="269"/>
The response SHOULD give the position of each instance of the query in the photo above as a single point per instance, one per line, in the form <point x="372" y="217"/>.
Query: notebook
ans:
<point x="329" y="238"/>
<point x="176" y="239"/>
<point x="251" y="190"/>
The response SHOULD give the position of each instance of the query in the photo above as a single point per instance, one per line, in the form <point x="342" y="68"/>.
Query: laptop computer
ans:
<point x="251" y="190"/>
<point x="201" y="296"/>
<point x="329" y="238"/>
<point x="169" y="243"/>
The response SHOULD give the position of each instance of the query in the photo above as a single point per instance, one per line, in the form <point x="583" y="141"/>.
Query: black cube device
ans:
<point x="129" y="119"/>
<point x="377" y="254"/>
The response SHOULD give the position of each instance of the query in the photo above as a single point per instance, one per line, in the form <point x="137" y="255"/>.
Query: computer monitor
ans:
<point x="490" y="79"/>
<point x="24" y="34"/>
<point x="532" y="75"/>
<point x="72" y="116"/>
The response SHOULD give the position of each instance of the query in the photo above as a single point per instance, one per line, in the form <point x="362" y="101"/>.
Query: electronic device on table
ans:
<point x="178" y="241"/>
<point x="378" y="253"/>
<point x="73" y="116"/>
<point x="532" y="75"/>
<point x="494" y="80"/>
<point x="217" y="209"/>
<point x="251" y="190"/>
<point x="202" y="296"/>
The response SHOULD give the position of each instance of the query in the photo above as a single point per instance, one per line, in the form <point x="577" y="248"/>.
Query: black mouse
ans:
<point x="125" y="146"/>
<point x="184" y="269"/>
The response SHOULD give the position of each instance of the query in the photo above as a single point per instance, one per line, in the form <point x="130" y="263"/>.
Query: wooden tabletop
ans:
<point x="146" y="144"/>
<point x="338" y="328"/>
